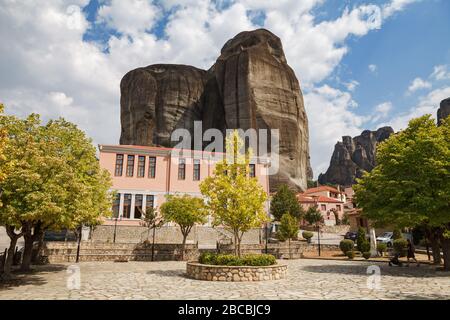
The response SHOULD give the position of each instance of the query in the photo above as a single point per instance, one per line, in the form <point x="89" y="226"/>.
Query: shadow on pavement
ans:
<point x="32" y="277"/>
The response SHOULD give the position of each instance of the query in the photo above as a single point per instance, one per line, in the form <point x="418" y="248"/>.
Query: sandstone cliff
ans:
<point x="250" y="86"/>
<point x="444" y="110"/>
<point x="353" y="156"/>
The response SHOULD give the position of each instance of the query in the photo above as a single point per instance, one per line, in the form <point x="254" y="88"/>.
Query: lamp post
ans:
<point x="267" y="235"/>
<point x="318" y="237"/>
<point x="115" y="228"/>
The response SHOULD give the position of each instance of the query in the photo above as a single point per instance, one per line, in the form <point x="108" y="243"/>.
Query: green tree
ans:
<point x="235" y="200"/>
<point x="285" y="201"/>
<point x="410" y="185"/>
<point x="186" y="211"/>
<point x="53" y="180"/>
<point x="313" y="216"/>
<point x="288" y="229"/>
<point x="361" y="240"/>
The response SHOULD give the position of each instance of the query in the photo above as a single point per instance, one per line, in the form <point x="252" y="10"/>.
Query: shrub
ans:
<point x="381" y="247"/>
<point x="350" y="254"/>
<point x="366" y="255"/>
<point x="307" y="235"/>
<point x="208" y="258"/>
<point x="364" y="246"/>
<point x="400" y="246"/>
<point x="232" y="260"/>
<point x="396" y="234"/>
<point x="346" y="245"/>
<point x="360" y="238"/>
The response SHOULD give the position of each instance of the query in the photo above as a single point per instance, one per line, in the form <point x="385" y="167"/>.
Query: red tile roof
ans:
<point x="322" y="188"/>
<point x="304" y="198"/>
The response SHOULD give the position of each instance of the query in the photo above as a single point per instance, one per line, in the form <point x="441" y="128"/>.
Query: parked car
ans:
<point x="351" y="235"/>
<point x="386" y="238"/>
<point x="62" y="235"/>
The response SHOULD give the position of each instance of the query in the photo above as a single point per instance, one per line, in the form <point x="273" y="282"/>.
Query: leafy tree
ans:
<point x="288" y="229"/>
<point x="397" y="234"/>
<point x="410" y="185"/>
<point x="53" y="180"/>
<point x="285" y="201"/>
<point x="313" y="216"/>
<point x="152" y="221"/>
<point x="185" y="211"/>
<point x="361" y="240"/>
<point x="235" y="200"/>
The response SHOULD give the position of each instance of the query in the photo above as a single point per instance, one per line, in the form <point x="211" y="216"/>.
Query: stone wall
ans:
<point x="56" y="252"/>
<point x="203" y="235"/>
<point x="235" y="273"/>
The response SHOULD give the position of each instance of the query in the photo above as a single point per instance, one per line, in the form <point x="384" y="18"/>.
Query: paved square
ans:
<point x="307" y="279"/>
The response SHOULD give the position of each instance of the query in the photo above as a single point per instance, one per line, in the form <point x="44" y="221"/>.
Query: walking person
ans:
<point x="411" y="252"/>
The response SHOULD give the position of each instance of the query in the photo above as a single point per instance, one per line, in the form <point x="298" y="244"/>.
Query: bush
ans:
<point x="232" y="260"/>
<point x="396" y="234"/>
<point x="346" y="245"/>
<point x="381" y="247"/>
<point x="400" y="246"/>
<point x="364" y="246"/>
<point x="360" y="238"/>
<point x="350" y="254"/>
<point x="366" y="255"/>
<point x="307" y="235"/>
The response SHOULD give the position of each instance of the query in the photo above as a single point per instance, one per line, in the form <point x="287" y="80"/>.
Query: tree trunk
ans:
<point x="435" y="247"/>
<point x="38" y="252"/>
<point x="27" y="252"/>
<point x="183" y="246"/>
<point x="153" y="245"/>
<point x="79" y="235"/>
<point x="10" y="257"/>
<point x="445" y="242"/>
<point x="289" y="248"/>
<point x="236" y="249"/>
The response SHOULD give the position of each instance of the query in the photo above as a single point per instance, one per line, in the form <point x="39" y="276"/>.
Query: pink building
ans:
<point x="142" y="176"/>
<point x="328" y="200"/>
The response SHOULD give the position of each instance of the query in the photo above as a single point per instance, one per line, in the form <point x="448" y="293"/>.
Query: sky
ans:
<point x="361" y="64"/>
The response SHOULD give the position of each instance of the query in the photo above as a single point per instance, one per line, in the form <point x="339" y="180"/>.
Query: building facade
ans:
<point x="328" y="200"/>
<point x="142" y="176"/>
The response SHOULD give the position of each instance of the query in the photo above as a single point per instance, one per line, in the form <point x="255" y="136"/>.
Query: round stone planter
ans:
<point x="200" y="271"/>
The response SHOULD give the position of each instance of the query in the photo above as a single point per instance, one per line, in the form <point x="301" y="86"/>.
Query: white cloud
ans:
<point x="440" y="72"/>
<point x="427" y="104"/>
<point x="372" y="67"/>
<point x="418" y="84"/>
<point x="395" y="6"/>
<point x="48" y="68"/>
<point x="381" y="111"/>
<point x="129" y="17"/>
<point x="351" y="86"/>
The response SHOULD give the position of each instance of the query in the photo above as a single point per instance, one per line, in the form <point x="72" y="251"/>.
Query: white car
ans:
<point x="387" y="238"/>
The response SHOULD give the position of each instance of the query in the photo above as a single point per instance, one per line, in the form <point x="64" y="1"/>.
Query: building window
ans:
<point x="116" y="206"/>
<point x="149" y="201"/>
<point x="152" y="167"/>
<point x="138" y="213"/>
<point x="130" y="166"/>
<point x="141" y="167"/>
<point x="252" y="171"/>
<point x="119" y="165"/>
<point x="323" y="207"/>
<point x="338" y="207"/>
<point x="182" y="169"/>
<point x="196" y="169"/>
<point x="126" y="206"/>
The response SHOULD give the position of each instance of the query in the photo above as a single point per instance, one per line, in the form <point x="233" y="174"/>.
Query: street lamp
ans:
<point x="115" y="228"/>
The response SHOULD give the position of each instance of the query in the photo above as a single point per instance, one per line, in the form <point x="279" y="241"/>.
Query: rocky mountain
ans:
<point x="249" y="86"/>
<point x="353" y="156"/>
<point x="444" y="110"/>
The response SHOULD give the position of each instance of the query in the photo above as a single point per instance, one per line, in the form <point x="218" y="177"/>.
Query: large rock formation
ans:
<point x="353" y="156"/>
<point x="250" y="86"/>
<point x="158" y="99"/>
<point x="444" y="110"/>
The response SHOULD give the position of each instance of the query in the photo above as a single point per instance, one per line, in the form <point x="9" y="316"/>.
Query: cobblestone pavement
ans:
<point x="307" y="279"/>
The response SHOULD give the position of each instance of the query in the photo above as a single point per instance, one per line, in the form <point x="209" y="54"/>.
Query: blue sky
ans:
<point x="361" y="64"/>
